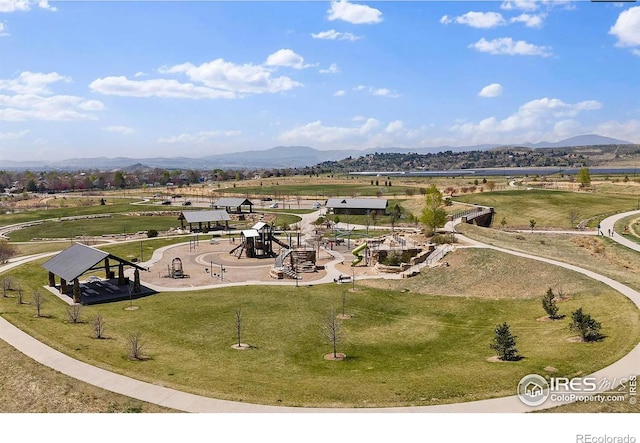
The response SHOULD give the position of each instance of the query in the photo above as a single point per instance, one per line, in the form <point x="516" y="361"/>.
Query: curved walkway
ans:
<point x="170" y="398"/>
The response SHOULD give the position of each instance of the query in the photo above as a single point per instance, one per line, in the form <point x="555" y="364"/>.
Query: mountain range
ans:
<point x="277" y="157"/>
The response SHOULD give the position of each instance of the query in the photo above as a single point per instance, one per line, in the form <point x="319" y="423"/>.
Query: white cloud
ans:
<point x="233" y="78"/>
<point x="524" y="5"/>
<point x="380" y="92"/>
<point x="384" y="92"/>
<point x="125" y="130"/>
<point x="339" y="93"/>
<point x="2" y="30"/>
<point x="636" y="52"/>
<point x="492" y="90"/>
<point x="332" y="34"/>
<point x="332" y="69"/>
<point x="33" y="99"/>
<point x="286" y="57"/>
<point x="629" y="130"/>
<point x="530" y="20"/>
<point x="163" y="88"/>
<point x="627" y="27"/>
<point x="198" y="137"/>
<point x="394" y="126"/>
<point x="32" y="83"/>
<point x="140" y="74"/>
<point x="24" y="5"/>
<point x="363" y="133"/>
<point x="507" y="46"/>
<point x="483" y="20"/>
<point x="13" y="135"/>
<point x="534" y="115"/>
<point x="354" y="13"/>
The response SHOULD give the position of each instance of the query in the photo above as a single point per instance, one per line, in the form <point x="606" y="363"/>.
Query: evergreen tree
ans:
<point x="504" y="343"/>
<point x="588" y="328"/>
<point x="549" y="304"/>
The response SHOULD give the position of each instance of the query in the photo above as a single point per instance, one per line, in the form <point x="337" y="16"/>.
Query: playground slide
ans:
<point x="357" y="252"/>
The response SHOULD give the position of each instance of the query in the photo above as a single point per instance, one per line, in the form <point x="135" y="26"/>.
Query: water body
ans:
<point x="498" y="172"/>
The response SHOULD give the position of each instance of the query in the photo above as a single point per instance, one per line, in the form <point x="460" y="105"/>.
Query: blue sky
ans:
<point x="146" y="79"/>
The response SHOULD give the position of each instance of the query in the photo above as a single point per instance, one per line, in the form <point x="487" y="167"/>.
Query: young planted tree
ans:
<point x="135" y="346"/>
<point x="98" y="324"/>
<point x="504" y="343"/>
<point x="588" y="327"/>
<point x="332" y="332"/>
<point x="503" y="222"/>
<point x="239" y="326"/>
<point x="433" y="214"/>
<point x="73" y="313"/>
<point x="38" y="301"/>
<point x="549" y="304"/>
<point x="574" y="216"/>
<point x="532" y="224"/>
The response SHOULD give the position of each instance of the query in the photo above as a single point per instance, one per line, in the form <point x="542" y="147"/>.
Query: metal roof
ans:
<point x="74" y="261"/>
<point x="250" y="233"/>
<point x="216" y="215"/>
<point x="357" y="203"/>
<point x="234" y="202"/>
<point x="259" y="226"/>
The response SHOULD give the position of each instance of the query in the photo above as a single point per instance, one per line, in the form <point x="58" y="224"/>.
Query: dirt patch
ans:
<point x="344" y="316"/>
<point x="241" y="346"/>
<point x="575" y="339"/>
<point x="496" y="359"/>
<point x="550" y="369"/>
<point x="338" y="357"/>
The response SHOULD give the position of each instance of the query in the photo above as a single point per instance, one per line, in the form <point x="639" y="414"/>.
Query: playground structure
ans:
<point x="257" y="242"/>
<point x="391" y="253"/>
<point x="175" y="270"/>
<point x="291" y="262"/>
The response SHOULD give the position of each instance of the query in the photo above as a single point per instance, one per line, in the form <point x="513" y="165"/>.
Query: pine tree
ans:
<point x="504" y="343"/>
<point x="588" y="328"/>
<point x="549" y="304"/>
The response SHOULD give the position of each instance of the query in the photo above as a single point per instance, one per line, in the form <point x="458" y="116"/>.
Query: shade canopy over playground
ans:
<point x="360" y="206"/>
<point x="233" y="204"/>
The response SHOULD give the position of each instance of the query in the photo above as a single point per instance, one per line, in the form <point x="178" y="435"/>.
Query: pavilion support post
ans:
<point x="52" y="279"/>
<point x="107" y="269"/>
<point x="120" y="274"/>
<point x="63" y="286"/>
<point x="76" y="290"/>
<point x="136" y="281"/>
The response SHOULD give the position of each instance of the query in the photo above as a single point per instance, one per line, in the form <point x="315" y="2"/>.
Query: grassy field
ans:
<point x="115" y="224"/>
<point x="29" y="387"/>
<point x="550" y="208"/>
<point x="633" y="224"/>
<point x="404" y="348"/>
<point x="598" y="254"/>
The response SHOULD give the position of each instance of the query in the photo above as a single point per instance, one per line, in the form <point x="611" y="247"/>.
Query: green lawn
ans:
<point x="115" y="224"/>
<point x="550" y="208"/>
<point x="404" y="348"/>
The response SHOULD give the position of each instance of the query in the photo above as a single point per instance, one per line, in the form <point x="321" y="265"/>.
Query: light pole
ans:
<point x="141" y="253"/>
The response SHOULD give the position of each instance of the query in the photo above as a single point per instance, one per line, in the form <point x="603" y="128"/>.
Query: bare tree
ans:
<point x="19" y="299"/>
<point x="6" y="285"/>
<point x="135" y="346"/>
<point x="97" y="323"/>
<point x="73" y="313"/>
<point x="332" y="331"/>
<point x="574" y="215"/>
<point x="7" y="251"/>
<point x="38" y="302"/>
<point x="239" y="325"/>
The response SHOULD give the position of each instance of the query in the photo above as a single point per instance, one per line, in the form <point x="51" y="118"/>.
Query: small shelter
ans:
<point x="218" y="216"/>
<point x="357" y="206"/>
<point x="79" y="259"/>
<point x="233" y="204"/>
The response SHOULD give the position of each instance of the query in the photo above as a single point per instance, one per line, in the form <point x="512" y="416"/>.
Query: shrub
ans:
<point x="152" y="233"/>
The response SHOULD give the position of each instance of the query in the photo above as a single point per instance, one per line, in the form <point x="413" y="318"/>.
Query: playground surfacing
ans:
<point x="203" y="263"/>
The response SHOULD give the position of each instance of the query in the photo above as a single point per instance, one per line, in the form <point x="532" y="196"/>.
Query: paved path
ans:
<point x="629" y="364"/>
